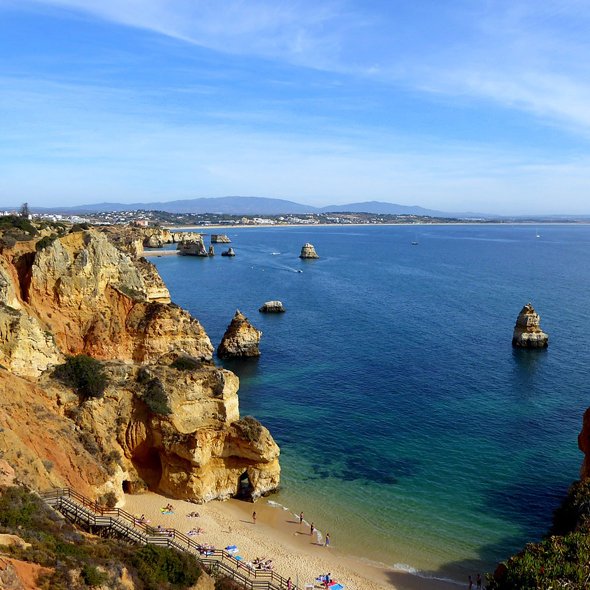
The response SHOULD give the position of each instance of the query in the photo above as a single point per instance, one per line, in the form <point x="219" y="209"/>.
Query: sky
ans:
<point x="455" y="105"/>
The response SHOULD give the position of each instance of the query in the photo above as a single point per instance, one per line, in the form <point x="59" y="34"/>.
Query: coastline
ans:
<point x="277" y="535"/>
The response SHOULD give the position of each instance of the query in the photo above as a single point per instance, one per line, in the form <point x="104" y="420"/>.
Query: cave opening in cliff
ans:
<point x="149" y="468"/>
<point x="245" y="487"/>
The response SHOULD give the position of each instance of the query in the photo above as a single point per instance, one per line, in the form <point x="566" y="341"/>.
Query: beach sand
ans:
<point x="277" y="535"/>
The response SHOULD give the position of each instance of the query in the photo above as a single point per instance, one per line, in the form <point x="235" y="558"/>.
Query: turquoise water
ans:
<point x="410" y="429"/>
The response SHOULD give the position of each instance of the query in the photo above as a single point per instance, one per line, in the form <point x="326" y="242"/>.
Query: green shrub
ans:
<point x="79" y="227"/>
<point x="45" y="242"/>
<point x="92" y="576"/>
<point x="84" y="374"/>
<point x="574" y="512"/>
<point x="8" y="222"/>
<point x="249" y="428"/>
<point x="186" y="363"/>
<point x="157" y="566"/>
<point x="155" y="397"/>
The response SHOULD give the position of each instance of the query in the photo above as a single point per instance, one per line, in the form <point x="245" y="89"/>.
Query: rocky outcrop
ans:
<point x="169" y="417"/>
<point x="211" y="250"/>
<point x="220" y="239"/>
<point x="584" y="445"/>
<point x="184" y="236"/>
<point x="527" y="331"/>
<point x="308" y="251"/>
<point x="198" y="449"/>
<point x="83" y="295"/>
<point x="272" y="307"/>
<point x="241" y="339"/>
<point x="228" y="252"/>
<point x="193" y="247"/>
<point x="153" y="241"/>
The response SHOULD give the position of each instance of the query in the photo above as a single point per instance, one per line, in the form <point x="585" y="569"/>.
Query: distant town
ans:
<point x="146" y="218"/>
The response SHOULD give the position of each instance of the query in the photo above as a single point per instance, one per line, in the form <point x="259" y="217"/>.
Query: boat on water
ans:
<point x="537" y="235"/>
<point x="414" y="243"/>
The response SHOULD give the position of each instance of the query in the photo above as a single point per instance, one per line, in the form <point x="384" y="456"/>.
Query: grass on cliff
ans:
<point x="562" y="560"/>
<point x="79" y="561"/>
<point x="249" y="428"/>
<point x="85" y="374"/>
<point x="156" y="398"/>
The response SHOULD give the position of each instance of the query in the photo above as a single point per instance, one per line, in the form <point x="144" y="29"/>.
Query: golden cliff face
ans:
<point x="82" y="295"/>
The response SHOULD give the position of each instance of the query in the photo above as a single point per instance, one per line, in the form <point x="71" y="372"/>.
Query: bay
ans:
<point x="409" y="427"/>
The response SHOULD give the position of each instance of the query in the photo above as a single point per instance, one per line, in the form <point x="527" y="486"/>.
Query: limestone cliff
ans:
<point x="169" y="418"/>
<point x="527" y="331"/>
<point x="241" y="339"/>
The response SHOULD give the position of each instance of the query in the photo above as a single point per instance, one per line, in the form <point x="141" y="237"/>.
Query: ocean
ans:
<point x="409" y="427"/>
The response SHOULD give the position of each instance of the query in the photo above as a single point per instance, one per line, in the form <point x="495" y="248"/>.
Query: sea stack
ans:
<point x="220" y="239"/>
<point x="527" y="332"/>
<point x="228" y="252"/>
<point x="272" y="307"/>
<point x="241" y="339"/>
<point x="308" y="251"/>
<point x="211" y="250"/>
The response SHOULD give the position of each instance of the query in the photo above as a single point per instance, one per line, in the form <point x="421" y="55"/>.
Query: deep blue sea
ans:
<point x="410" y="428"/>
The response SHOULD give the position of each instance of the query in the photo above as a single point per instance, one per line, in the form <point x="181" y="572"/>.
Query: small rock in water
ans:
<point x="527" y="331"/>
<point x="308" y="251"/>
<point x="272" y="307"/>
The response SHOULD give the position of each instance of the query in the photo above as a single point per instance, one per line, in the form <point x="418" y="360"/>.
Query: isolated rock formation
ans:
<point x="241" y="339"/>
<point x="308" y="251"/>
<point x="272" y="307"/>
<point x="220" y="239"/>
<point x="228" y="252"/>
<point x="193" y="247"/>
<point x="527" y="331"/>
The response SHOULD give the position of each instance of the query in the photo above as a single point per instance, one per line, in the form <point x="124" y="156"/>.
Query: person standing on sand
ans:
<point x="478" y="581"/>
<point x="301" y="517"/>
<point x="470" y="580"/>
<point x="311" y="529"/>
<point x="289" y="584"/>
<point x="254" y="517"/>
<point x="327" y="543"/>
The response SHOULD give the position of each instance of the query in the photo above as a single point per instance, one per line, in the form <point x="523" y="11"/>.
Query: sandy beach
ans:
<point x="276" y="535"/>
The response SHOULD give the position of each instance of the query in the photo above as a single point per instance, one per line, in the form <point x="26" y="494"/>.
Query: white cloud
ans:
<point x="522" y="54"/>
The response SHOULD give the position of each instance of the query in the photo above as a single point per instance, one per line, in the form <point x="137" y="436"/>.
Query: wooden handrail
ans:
<point x="167" y="537"/>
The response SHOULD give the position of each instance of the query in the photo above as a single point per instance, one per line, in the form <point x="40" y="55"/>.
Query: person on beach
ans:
<point x="327" y="542"/>
<point x="478" y="581"/>
<point x="470" y="581"/>
<point x="301" y="517"/>
<point x="311" y="529"/>
<point x="254" y="517"/>
<point x="289" y="584"/>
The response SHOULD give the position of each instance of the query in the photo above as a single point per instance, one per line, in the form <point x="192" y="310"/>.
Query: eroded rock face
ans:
<point x="241" y="339"/>
<point x="199" y="451"/>
<point x="308" y="251"/>
<point x="193" y="247"/>
<point x="174" y="425"/>
<point x="527" y="331"/>
<point x="83" y="295"/>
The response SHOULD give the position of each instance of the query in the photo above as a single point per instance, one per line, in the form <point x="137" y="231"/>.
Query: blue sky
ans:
<point x="475" y="105"/>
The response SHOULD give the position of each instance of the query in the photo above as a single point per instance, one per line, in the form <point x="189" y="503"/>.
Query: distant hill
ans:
<point x="380" y="207"/>
<point x="251" y="206"/>
<point x="228" y="205"/>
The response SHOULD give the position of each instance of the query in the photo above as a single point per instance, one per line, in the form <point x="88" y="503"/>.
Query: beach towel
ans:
<point x="336" y="586"/>
<point x="164" y="511"/>
<point x="232" y="548"/>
